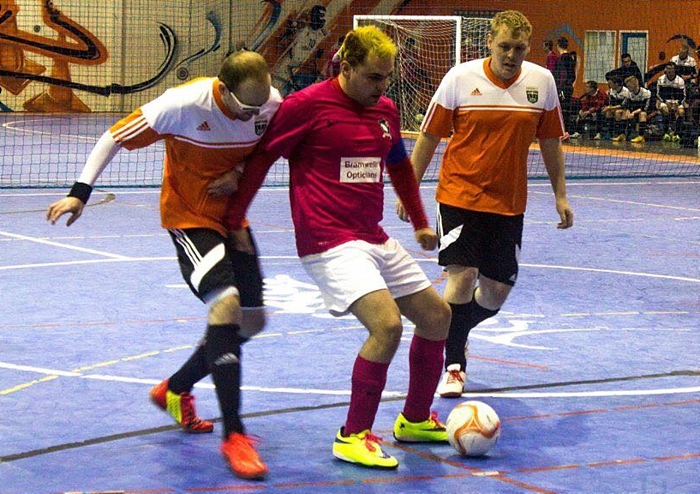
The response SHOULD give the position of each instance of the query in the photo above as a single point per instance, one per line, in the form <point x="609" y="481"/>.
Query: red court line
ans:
<point x="603" y="410"/>
<point x="99" y="323"/>
<point x="610" y="463"/>
<point x="509" y="362"/>
<point x="476" y="472"/>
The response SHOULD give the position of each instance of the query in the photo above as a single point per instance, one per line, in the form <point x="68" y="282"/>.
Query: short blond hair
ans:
<point x="365" y="41"/>
<point x="515" y="21"/>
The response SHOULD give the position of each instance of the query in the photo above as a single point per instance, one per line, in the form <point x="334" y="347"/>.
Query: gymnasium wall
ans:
<point x="76" y="56"/>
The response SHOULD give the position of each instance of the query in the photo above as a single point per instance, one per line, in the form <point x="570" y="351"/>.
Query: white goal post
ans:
<point x="428" y="46"/>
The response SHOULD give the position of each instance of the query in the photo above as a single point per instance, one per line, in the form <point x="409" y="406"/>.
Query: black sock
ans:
<point x="223" y="353"/>
<point x="620" y="127"/>
<point x="642" y="128"/>
<point x="457" y="336"/>
<point x="193" y="371"/>
<point x="465" y="317"/>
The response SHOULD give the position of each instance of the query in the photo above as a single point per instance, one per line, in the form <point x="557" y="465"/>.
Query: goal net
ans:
<point x="428" y="47"/>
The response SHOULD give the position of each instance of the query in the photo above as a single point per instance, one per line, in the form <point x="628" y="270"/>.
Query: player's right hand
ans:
<point x="427" y="238"/>
<point x="71" y="205"/>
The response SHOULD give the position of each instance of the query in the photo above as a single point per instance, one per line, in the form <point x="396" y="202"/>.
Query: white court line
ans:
<point x="614" y="271"/>
<point x="65" y="246"/>
<point x="120" y="259"/>
<point x="342" y="392"/>
<point x="431" y="260"/>
<point x="87" y="261"/>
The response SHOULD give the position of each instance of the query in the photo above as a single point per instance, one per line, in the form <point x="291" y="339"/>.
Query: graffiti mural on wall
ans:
<point x="299" y="39"/>
<point x="182" y="67"/>
<point x="74" y="45"/>
<point x="295" y="36"/>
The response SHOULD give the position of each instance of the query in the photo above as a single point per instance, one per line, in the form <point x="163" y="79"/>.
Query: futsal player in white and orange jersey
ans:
<point x="341" y="137"/>
<point x="494" y="108"/>
<point x="209" y="126"/>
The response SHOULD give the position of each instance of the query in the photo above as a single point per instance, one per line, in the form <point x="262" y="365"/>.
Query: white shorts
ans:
<point x="347" y="272"/>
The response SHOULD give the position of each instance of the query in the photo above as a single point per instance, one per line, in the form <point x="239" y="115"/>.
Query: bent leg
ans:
<point x="378" y="312"/>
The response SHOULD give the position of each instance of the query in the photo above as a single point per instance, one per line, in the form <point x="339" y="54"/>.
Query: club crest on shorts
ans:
<point x="533" y="94"/>
<point x="260" y="126"/>
<point x="385" y="128"/>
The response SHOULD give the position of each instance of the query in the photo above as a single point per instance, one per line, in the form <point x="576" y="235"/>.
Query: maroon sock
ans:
<point x="425" y="361"/>
<point x="368" y="381"/>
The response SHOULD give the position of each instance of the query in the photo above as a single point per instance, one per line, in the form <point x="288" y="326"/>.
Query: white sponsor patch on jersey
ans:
<point x="360" y="170"/>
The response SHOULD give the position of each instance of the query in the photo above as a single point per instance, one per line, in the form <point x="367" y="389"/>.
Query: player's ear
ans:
<point x="222" y="88"/>
<point x="345" y="68"/>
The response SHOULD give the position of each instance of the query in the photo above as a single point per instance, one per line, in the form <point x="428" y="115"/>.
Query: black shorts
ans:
<point x="209" y="263"/>
<point x="486" y="241"/>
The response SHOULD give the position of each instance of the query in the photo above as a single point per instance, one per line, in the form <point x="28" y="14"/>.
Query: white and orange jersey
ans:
<point x="203" y="140"/>
<point x="493" y="123"/>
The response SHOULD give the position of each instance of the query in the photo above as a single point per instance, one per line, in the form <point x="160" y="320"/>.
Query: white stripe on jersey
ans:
<point x="131" y="129"/>
<point x="499" y="108"/>
<point x="215" y="145"/>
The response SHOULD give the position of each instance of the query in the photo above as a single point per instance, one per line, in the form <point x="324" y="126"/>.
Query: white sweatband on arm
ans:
<point x="100" y="156"/>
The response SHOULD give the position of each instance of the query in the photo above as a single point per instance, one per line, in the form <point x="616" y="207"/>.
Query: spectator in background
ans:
<point x="612" y="112"/>
<point x="686" y="66"/>
<point x="671" y="101"/>
<point x="552" y="56"/>
<point x="565" y="71"/>
<point x="591" y="113"/>
<point x="637" y="110"/>
<point x="629" y="67"/>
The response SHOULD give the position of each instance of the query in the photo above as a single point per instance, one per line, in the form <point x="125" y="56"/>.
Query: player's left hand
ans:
<point x="225" y="185"/>
<point x="427" y="238"/>
<point x="566" y="214"/>
<point x="401" y="211"/>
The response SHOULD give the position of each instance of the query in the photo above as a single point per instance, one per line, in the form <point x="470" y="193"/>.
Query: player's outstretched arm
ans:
<point x="100" y="156"/>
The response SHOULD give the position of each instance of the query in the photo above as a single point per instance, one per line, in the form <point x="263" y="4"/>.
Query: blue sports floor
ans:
<point x="593" y="364"/>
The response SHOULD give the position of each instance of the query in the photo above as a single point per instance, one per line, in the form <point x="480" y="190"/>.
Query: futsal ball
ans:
<point x="419" y="118"/>
<point x="473" y="428"/>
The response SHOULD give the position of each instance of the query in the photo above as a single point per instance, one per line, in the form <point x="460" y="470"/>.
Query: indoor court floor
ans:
<point x="593" y="364"/>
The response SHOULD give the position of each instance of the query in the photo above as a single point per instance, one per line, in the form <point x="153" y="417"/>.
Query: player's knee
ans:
<point x="493" y="295"/>
<point x="389" y="334"/>
<point x="253" y="322"/>
<point x="437" y="320"/>
<point x="225" y="307"/>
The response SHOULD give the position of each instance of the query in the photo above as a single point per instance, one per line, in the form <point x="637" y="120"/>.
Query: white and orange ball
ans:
<point x="473" y="428"/>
